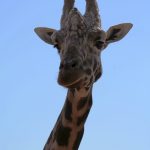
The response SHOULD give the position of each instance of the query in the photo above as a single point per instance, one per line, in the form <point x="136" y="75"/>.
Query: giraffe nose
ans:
<point x="69" y="64"/>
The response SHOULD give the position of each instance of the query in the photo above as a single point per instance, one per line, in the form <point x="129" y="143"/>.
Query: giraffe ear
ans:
<point x="45" y="34"/>
<point x="117" y="32"/>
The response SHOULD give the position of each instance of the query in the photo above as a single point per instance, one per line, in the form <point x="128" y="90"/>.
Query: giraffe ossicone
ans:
<point x="80" y="42"/>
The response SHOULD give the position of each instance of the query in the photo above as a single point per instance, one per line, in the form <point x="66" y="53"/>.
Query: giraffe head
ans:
<point x="80" y="42"/>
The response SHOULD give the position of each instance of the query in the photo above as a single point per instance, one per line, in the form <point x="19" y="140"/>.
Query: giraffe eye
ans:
<point x="99" y="44"/>
<point x="58" y="47"/>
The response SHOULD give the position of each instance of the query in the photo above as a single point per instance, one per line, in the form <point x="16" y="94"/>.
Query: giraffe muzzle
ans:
<point x="70" y="78"/>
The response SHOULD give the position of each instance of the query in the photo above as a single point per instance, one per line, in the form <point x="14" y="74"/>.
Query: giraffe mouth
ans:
<point x="70" y="80"/>
<point x="74" y="84"/>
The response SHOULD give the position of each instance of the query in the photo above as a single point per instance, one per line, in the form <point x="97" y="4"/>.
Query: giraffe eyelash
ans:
<point x="58" y="48"/>
<point x="99" y="44"/>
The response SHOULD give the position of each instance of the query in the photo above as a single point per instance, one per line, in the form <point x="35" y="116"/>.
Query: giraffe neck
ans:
<point x="69" y="128"/>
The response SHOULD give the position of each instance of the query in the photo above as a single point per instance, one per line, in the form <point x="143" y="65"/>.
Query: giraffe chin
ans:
<point x="74" y="80"/>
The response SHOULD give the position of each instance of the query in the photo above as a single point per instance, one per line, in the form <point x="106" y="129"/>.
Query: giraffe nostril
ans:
<point x="69" y="64"/>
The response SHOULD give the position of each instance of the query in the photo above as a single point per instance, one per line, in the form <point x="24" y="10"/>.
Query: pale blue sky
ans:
<point x="31" y="99"/>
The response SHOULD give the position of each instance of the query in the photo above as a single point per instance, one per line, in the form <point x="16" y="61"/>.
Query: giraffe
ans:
<point x="79" y="42"/>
